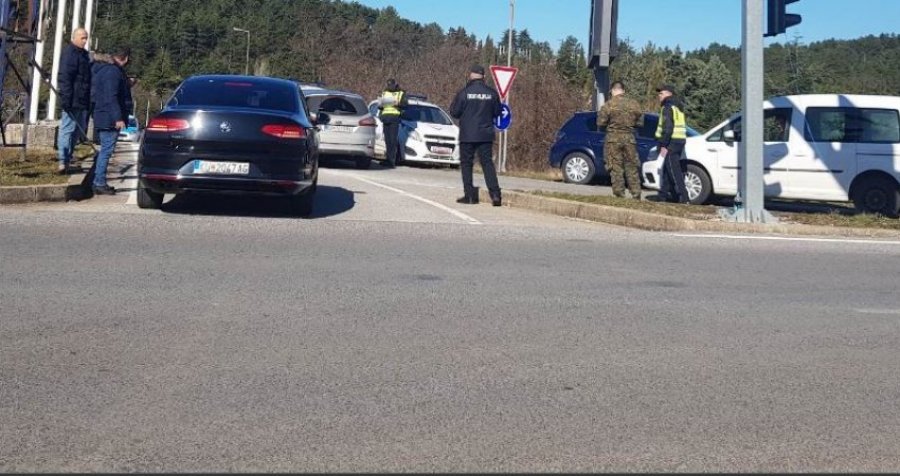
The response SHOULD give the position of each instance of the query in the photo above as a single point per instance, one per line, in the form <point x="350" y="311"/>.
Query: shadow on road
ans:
<point x="330" y="201"/>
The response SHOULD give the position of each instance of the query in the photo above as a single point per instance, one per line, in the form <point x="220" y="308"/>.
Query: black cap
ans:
<point x="666" y="87"/>
<point x="477" y="69"/>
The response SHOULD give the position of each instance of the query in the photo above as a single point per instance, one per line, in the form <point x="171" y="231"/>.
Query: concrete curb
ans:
<point x="77" y="188"/>
<point x="655" y="222"/>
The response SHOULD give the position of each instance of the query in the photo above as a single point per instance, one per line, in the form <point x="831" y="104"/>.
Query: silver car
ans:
<point x="350" y="133"/>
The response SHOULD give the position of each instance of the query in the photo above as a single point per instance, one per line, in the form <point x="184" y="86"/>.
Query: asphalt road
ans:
<point x="399" y="331"/>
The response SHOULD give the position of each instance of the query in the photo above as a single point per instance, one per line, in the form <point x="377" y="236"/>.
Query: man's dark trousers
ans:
<point x="467" y="151"/>
<point x="391" y="139"/>
<point x="672" y="188"/>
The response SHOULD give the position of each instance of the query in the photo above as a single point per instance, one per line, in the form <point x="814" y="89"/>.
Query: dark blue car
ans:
<point x="578" y="150"/>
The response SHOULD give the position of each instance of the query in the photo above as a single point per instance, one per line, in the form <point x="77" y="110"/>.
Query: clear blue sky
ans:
<point x="690" y="24"/>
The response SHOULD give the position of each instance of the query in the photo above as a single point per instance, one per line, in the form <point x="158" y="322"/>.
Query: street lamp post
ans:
<point x="247" y="59"/>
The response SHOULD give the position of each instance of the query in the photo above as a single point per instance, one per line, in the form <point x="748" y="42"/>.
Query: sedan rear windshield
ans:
<point x="338" y="105"/>
<point x="237" y="93"/>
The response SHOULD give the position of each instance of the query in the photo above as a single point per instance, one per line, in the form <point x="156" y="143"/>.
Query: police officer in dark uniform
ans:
<point x="671" y="134"/>
<point x="391" y="103"/>
<point x="476" y="106"/>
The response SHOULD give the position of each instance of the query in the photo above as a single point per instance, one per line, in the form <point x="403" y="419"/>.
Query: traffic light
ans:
<point x="603" y="43"/>
<point x="779" y="19"/>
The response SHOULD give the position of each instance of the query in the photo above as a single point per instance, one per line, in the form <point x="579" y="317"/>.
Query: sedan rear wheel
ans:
<point x="578" y="168"/>
<point x="302" y="204"/>
<point x="148" y="199"/>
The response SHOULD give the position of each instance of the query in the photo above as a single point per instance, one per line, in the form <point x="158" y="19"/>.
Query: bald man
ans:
<point x="74" y="84"/>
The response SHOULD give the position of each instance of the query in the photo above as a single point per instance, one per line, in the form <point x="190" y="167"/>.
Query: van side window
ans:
<point x="777" y="125"/>
<point x="880" y="126"/>
<point x="852" y="125"/>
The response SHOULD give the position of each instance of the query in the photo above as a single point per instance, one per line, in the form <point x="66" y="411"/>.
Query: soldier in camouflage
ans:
<point x="620" y="116"/>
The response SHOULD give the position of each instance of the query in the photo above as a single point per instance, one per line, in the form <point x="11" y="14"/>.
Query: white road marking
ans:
<point x="892" y="312"/>
<point x="786" y="238"/>
<point x="456" y="213"/>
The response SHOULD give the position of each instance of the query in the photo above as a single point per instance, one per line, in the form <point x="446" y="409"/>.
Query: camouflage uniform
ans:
<point x="620" y="115"/>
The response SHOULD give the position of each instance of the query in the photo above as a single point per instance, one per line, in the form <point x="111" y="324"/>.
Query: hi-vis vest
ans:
<point x="391" y="109"/>
<point x="679" y="131"/>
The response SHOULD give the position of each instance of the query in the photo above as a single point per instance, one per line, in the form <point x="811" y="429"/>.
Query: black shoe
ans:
<point x="467" y="200"/>
<point x="387" y="165"/>
<point x="104" y="190"/>
<point x="495" y="200"/>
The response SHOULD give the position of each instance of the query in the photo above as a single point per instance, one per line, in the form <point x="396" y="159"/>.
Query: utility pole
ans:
<point x="89" y="22"/>
<point x="36" y="79"/>
<point x="76" y="14"/>
<point x="504" y="136"/>
<point x="603" y="45"/>
<point x="750" y="152"/>
<point x="57" y="51"/>
<point x="247" y="58"/>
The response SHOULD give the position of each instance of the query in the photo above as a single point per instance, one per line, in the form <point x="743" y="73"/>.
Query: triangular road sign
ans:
<point x="503" y="78"/>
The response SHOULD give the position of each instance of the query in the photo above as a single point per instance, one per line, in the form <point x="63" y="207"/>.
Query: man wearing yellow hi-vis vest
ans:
<point x="670" y="137"/>
<point x="391" y="103"/>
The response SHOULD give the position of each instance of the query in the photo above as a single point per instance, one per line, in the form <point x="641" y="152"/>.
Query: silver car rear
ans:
<point x="350" y="134"/>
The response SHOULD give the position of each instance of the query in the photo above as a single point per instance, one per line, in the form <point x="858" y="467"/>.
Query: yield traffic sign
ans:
<point x="503" y="78"/>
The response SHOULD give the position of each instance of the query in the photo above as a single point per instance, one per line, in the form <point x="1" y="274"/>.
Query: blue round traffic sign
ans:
<point x="503" y="121"/>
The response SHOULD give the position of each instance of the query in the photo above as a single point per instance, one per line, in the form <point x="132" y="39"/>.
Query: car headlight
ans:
<point x="414" y="135"/>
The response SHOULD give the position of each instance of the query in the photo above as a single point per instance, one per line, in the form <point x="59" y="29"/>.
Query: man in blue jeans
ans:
<point x="109" y="95"/>
<point x="74" y="84"/>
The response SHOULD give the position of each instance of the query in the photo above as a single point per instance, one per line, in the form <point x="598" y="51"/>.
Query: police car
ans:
<point x="427" y="134"/>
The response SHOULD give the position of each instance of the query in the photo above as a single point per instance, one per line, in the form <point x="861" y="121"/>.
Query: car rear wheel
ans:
<point x="877" y="195"/>
<point x="363" y="163"/>
<point x="578" y="168"/>
<point x="148" y="199"/>
<point x="302" y="204"/>
<point x="698" y="184"/>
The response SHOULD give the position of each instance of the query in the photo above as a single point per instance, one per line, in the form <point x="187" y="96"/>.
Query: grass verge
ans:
<point x="38" y="168"/>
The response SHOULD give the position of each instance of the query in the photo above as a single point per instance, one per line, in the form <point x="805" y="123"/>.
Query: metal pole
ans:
<point x="89" y="22"/>
<point x="39" y="60"/>
<point x="57" y="51"/>
<point x="505" y="135"/>
<point x="247" y="59"/>
<point x="750" y="184"/>
<point x="76" y="14"/>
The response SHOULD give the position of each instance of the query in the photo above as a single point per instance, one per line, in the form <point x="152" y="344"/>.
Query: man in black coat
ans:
<point x="110" y="95"/>
<point x="476" y="106"/>
<point x="74" y="85"/>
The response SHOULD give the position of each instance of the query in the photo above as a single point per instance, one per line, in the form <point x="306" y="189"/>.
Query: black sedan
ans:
<point x="231" y="134"/>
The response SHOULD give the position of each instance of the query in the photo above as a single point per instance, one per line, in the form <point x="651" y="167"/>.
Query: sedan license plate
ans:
<point x="441" y="150"/>
<point x="221" y="168"/>
<point x="339" y="128"/>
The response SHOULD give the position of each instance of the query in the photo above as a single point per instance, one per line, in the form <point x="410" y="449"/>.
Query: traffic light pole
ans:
<point x="750" y="159"/>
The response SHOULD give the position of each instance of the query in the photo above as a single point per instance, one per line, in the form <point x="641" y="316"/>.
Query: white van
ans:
<point x="824" y="147"/>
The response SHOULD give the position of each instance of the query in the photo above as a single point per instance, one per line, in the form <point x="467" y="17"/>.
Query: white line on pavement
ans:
<point x="879" y="311"/>
<point x="785" y="238"/>
<point x="445" y="208"/>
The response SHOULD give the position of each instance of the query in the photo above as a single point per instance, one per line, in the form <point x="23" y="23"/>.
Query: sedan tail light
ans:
<point x="368" y="122"/>
<point x="284" y="131"/>
<point x="167" y="124"/>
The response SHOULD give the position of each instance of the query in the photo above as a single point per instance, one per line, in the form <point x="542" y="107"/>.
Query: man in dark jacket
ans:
<point x="671" y="134"/>
<point x="109" y="93"/>
<point x="476" y="106"/>
<point x="74" y="85"/>
<point x="391" y="104"/>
